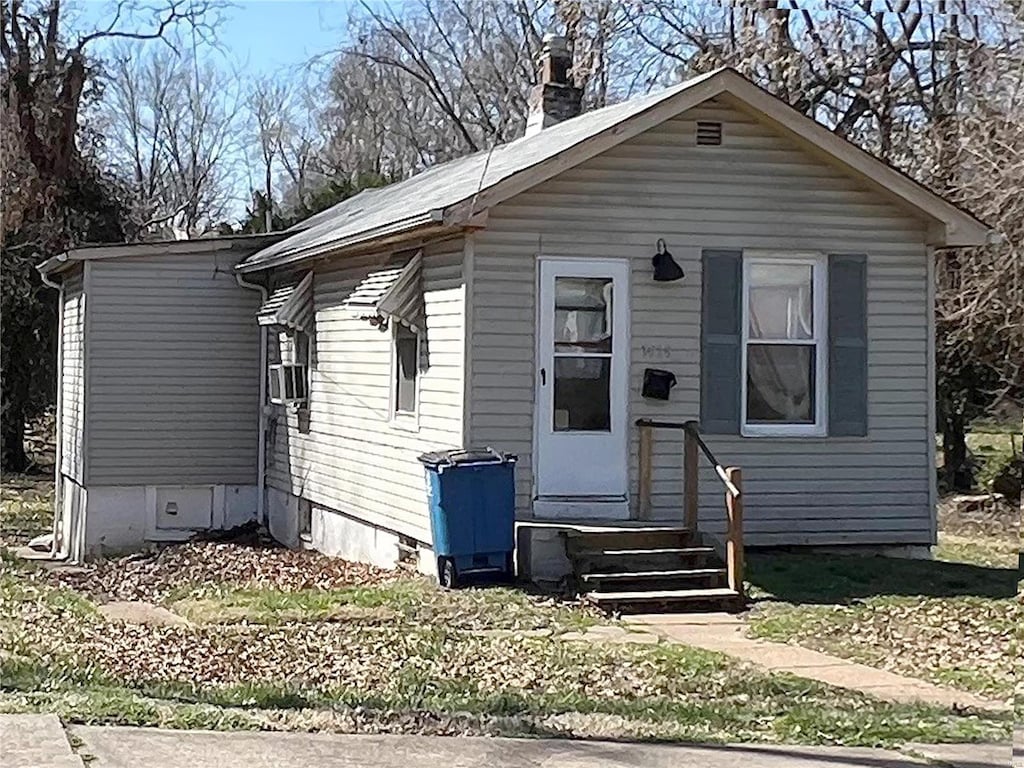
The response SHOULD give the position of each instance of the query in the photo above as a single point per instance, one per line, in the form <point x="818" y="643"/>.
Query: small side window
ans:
<point x="406" y="369"/>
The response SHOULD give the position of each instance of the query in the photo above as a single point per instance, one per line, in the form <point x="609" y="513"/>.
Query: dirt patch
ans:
<point x="210" y="611"/>
<point x="612" y="634"/>
<point x="136" y="612"/>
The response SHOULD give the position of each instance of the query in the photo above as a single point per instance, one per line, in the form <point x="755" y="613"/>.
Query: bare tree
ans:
<point x="268" y="106"/>
<point x="301" y="150"/>
<point x="171" y="123"/>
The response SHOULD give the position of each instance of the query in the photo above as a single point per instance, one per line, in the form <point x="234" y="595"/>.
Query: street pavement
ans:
<point x="152" y="748"/>
<point x="40" y="741"/>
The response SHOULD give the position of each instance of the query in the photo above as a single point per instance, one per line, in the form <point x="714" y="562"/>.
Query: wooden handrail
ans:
<point x="690" y="428"/>
<point x="731" y="478"/>
<point x="646" y="479"/>
<point x="734" y="533"/>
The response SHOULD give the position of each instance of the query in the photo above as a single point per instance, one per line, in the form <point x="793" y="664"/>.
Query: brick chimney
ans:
<point x="554" y="98"/>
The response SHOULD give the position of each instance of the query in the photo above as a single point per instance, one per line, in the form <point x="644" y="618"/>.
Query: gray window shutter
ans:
<point x="847" y="345"/>
<point x="721" y="314"/>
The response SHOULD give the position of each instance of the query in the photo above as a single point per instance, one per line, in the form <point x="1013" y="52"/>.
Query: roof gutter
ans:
<point x="47" y="280"/>
<point x="430" y="220"/>
<point x="51" y="265"/>
<point x="262" y="415"/>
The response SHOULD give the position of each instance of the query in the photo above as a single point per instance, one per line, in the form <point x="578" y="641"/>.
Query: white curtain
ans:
<point x="780" y="376"/>
<point x="780" y="307"/>
<point x="583" y="312"/>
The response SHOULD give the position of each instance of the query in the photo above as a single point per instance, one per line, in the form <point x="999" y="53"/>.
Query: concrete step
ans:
<point x="716" y="595"/>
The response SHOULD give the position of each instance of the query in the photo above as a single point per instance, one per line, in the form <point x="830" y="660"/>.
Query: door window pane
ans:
<point x="583" y="314"/>
<point x="780" y="383"/>
<point x="781" y="301"/>
<point x="582" y="394"/>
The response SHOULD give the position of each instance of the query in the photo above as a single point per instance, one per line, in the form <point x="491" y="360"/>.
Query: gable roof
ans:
<point x="451" y="194"/>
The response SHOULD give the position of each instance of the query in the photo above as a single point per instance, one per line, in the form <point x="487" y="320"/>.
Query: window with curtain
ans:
<point x="784" y="345"/>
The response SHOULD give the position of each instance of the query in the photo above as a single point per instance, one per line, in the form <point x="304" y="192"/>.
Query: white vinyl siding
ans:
<point x="72" y="375"/>
<point x="173" y="371"/>
<point x="345" y="452"/>
<point x="758" y="190"/>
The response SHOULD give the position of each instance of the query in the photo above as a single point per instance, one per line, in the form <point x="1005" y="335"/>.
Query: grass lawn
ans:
<point x="951" y="620"/>
<point x="26" y="508"/>
<point x="277" y="639"/>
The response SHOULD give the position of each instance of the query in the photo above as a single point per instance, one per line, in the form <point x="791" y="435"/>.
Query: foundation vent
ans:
<point x="709" y="134"/>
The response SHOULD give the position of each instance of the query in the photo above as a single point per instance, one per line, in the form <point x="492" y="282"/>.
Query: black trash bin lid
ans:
<point x="456" y="456"/>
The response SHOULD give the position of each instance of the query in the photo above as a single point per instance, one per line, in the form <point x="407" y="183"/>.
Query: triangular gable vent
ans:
<point x="289" y="306"/>
<point x="394" y="292"/>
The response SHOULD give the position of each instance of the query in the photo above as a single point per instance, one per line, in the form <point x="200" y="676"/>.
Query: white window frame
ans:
<point x="408" y="420"/>
<point x="281" y="370"/>
<point x="819" y="262"/>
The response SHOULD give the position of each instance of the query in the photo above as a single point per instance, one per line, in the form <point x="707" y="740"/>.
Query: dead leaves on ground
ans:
<point x="154" y="576"/>
<point x="963" y="641"/>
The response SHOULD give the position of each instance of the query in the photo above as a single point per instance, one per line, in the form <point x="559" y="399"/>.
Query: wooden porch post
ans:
<point x="690" y="480"/>
<point x="646" y="471"/>
<point x="734" y="540"/>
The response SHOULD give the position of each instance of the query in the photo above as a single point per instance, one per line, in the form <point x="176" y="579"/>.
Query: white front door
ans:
<point x="583" y="388"/>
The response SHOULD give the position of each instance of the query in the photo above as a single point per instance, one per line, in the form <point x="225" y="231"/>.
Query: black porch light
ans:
<point x="665" y="268"/>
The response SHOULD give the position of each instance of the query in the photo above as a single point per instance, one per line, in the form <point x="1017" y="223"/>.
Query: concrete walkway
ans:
<point x="35" y="741"/>
<point x="39" y="741"/>
<point x="979" y="756"/>
<point x="725" y="633"/>
<point x="152" y="748"/>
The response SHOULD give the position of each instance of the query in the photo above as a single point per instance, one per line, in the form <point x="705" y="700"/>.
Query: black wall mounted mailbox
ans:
<point x="657" y="383"/>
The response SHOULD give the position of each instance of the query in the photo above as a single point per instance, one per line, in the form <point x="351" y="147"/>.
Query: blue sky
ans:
<point x="268" y="35"/>
<point x="252" y="37"/>
<point x="262" y="36"/>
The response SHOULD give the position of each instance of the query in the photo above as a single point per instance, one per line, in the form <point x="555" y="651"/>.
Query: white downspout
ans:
<point x="261" y="460"/>
<point x="56" y="547"/>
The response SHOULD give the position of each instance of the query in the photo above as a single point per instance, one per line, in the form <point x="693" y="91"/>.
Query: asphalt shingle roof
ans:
<point x="454" y="181"/>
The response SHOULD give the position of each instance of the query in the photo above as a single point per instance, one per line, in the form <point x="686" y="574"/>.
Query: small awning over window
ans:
<point x="290" y="306"/>
<point x="393" y="292"/>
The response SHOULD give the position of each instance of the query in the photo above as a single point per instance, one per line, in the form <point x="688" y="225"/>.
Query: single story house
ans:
<point x="509" y="299"/>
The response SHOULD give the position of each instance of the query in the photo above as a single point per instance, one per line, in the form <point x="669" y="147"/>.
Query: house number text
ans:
<point x="654" y="352"/>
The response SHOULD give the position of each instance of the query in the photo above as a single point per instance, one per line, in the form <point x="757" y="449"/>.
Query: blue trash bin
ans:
<point x="472" y="497"/>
